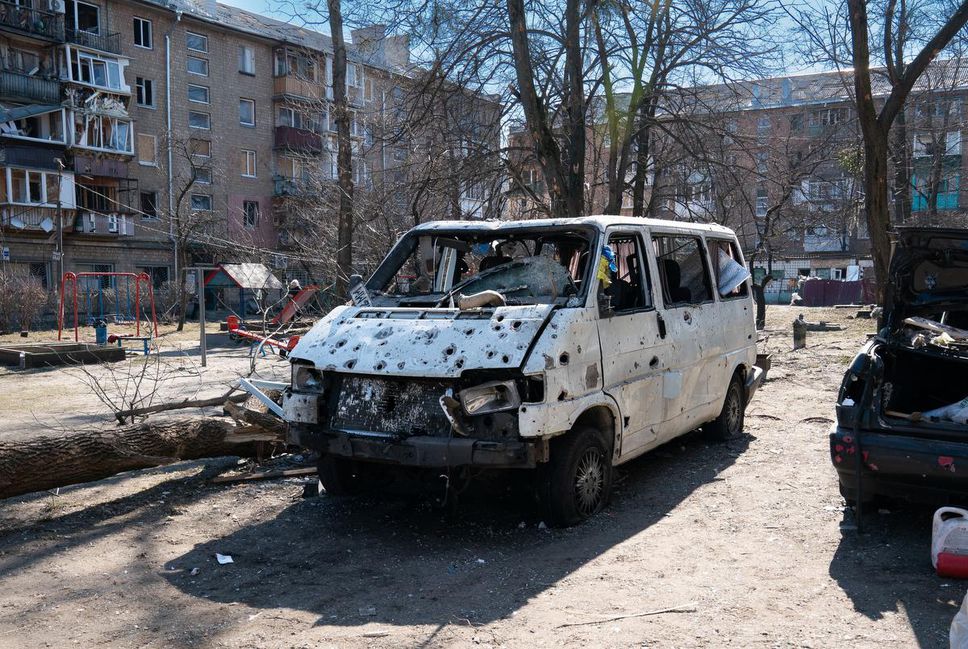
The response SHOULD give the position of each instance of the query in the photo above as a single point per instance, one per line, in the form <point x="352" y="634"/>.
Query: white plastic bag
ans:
<point x="958" y="636"/>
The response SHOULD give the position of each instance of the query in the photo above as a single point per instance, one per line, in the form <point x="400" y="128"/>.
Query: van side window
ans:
<point x="629" y="287"/>
<point x="682" y="266"/>
<point x="721" y="253"/>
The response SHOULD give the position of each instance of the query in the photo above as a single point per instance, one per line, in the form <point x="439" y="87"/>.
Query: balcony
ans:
<point x="34" y="220"/>
<point x="33" y="156"/>
<point x="44" y="25"/>
<point x="297" y="139"/>
<point x="19" y="87"/>
<point x="102" y="42"/>
<point x="295" y="87"/>
<point x="100" y="224"/>
<point x="105" y="167"/>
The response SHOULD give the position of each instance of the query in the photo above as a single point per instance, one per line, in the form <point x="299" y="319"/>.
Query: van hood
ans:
<point x="928" y="272"/>
<point x="419" y="342"/>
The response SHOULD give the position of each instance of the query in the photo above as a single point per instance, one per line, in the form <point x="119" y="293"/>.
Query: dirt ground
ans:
<point x="744" y="537"/>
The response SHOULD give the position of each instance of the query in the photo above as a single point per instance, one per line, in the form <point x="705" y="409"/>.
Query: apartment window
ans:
<point x="87" y="17"/>
<point x="32" y="187"/>
<point x="761" y="201"/>
<point x="250" y="214"/>
<point x="198" y="94"/>
<point x="248" y="163"/>
<point x="200" y="148"/>
<point x="149" y="205"/>
<point x="142" y="33"/>
<point x="201" y="203"/>
<point x="246" y="59"/>
<point x="103" y="132"/>
<point x="246" y="112"/>
<point x="762" y="162"/>
<point x="196" y="42"/>
<point x="96" y="71"/>
<point x="197" y="119"/>
<point x="147" y="149"/>
<point x="198" y="66"/>
<point x="145" y="92"/>
<point x="203" y="175"/>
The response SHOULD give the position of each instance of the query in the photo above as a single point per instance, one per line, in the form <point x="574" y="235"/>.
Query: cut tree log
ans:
<point x="263" y="420"/>
<point x="58" y="460"/>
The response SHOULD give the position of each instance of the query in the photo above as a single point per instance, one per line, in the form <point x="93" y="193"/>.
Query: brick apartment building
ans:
<point x="117" y="116"/>
<point x="778" y="162"/>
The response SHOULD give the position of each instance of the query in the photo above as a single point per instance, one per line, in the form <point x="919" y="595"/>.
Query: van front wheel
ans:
<point x="730" y="421"/>
<point x="577" y="481"/>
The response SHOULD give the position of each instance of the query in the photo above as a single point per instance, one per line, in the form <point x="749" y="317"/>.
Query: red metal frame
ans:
<point x="287" y="345"/>
<point x="138" y="278"/>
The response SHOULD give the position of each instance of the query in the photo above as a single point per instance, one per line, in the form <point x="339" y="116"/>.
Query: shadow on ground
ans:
<point x="887" y="569"/>
<point x="394" y="560"/>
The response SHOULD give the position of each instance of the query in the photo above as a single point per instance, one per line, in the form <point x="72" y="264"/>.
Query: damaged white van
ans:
<point x="566" y="346"/>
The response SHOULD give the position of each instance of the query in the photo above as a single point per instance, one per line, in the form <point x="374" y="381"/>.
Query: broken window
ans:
<point x="728" y="268"/>
<point x="524" y="266"/>
<point x="682" y="268"/>
<point x="628" y="287"/>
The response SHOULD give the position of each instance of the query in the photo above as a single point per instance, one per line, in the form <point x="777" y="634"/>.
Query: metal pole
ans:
<point x="201" y="312"/>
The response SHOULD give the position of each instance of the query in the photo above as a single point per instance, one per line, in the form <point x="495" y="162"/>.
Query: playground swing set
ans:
<point x="95" y="314"/>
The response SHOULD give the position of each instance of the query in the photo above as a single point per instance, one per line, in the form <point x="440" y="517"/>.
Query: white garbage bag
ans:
<point x="949" y="411"/>
<point x="958" y="636"/>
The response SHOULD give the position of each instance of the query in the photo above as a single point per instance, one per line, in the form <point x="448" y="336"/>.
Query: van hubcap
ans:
<point x="589" y="481"/>
<point x="733" y="412"/>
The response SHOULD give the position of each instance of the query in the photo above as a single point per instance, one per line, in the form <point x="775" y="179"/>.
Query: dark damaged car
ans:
<point x="902" y="410"/>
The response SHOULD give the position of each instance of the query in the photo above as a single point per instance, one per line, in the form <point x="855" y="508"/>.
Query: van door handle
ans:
<point x="662" y="327"/>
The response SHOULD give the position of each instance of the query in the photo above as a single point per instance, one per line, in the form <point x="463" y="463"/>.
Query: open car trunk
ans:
<point x="920" y="380"/>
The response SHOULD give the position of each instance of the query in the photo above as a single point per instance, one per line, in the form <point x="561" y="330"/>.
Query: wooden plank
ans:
<point x="265" y="475"/>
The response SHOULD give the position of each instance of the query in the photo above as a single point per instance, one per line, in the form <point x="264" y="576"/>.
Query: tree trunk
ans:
<point x="759" y="295"/>
<point x="344" y="153"/>
<point x="546" y="148"/>
<point x="902" y="169"/>
<point x="182" y="290"/>
<point x="876" y="205"/>
<point x="58" y="460"/>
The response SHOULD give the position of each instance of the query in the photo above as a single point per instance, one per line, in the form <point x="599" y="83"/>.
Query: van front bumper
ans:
<point x="900" y="466"/>
<point x="422" y="450"/>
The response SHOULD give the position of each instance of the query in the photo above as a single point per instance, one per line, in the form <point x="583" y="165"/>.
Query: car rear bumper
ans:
<point x="422" y="450"/>
<point x="901" y="466"/>
<point x="753" y="382"/>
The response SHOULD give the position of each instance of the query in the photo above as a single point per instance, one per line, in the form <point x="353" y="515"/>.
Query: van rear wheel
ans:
<point x="731" y="419"/>
<point x="577" y="481"/>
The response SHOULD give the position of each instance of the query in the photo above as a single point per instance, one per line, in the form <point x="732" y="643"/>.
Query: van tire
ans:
<point x="339" y="476"/>
<point x="577" y="481"/>
<point x="729" y="423"/>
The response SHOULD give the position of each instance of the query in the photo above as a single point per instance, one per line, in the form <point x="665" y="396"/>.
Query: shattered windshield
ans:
<point x="541" y="266"/>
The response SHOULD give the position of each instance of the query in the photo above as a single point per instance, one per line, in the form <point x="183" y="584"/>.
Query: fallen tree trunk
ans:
<point x="49" y="461"/>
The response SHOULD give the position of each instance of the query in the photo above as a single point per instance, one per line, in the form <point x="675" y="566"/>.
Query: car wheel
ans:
<point x="578" y="478"/>
<point x="730" y="421"/>
<point x="339" y="476"/>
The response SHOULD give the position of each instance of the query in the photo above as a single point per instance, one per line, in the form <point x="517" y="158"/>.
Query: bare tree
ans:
<point x="190" y="223"/>
<point x="853" y="42"/>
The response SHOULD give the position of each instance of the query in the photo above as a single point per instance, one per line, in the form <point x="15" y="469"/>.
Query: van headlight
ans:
<point x="306" y="377"/>
<point x="490" y="397"/>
